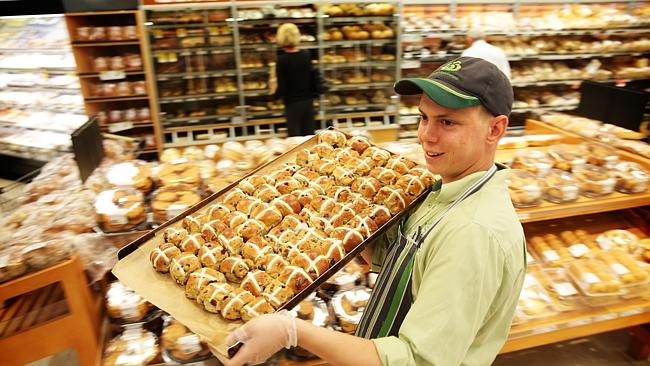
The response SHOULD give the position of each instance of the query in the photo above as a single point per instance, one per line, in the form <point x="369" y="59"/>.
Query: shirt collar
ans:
<point x="450" y="191"/>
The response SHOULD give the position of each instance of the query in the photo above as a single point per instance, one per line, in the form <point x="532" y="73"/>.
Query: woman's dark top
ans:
<point x="293" y="71"/>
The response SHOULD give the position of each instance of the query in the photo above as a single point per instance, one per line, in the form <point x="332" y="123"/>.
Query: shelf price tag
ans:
<point x="120" y="126"/>
<point x="578" y="322"/>
<point x="631" y="312"/>
<point x="237" y="119"/>
<point x="605" y="317"/>
<point x="112" y="75"/>
<point x="411" y="64"/>
<point x="546" y="329"/>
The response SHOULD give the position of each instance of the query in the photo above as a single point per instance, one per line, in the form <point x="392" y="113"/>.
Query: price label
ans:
<point x="605" y="317"/>
<point x="631" y="312"/>
<point x="619" y="269"/>
<point x="179" y="161"/>
<point x="118" y="219"/>
<point x="564" y="289"/>
<point x="579" y="322"/>
<point x="547" y="329"/>
<point x="237" y="119"/>
<point x="604" y="243"/>
<point x="411" y="64"/>
<point x="523" y="216"/>
<point x="550" y="256"/>
<point x="578" y="250"/>
<point x="590" y="278"/>
<point x="119" y="126"/>
<point x="112" y="75"/>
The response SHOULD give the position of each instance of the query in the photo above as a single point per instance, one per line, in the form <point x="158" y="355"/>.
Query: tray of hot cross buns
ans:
<point x="267" y="241"/>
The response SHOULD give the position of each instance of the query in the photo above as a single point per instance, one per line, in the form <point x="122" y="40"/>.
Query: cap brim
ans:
<point x="437" y="91"/>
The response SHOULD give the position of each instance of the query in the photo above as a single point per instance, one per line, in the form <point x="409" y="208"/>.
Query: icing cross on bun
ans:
<point x="162" y="255"/>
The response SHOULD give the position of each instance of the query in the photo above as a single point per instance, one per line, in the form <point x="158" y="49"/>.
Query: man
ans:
<point x="478" y="47"/>
<point x="452" y="272"/>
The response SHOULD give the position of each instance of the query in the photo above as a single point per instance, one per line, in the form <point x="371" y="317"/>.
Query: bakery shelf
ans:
<point x="256" y="93"/>
<point x="86" y="75"/>
<point x="360" y="86"/>
<point x="124" y="126"/>
<point x="116" y="99"/>
<point x="106" y="43"/>
<point x="196" y="97"/>
<point x="356" y="43"/>
<point x="572" y="81"/>
<point x="197" y="74"/>
<point x="44" y="70"/>
<point x="361" y="19"/>
<point x="435" y="33"/>
<point x="196" y="120"/>
<point x="341" y="65"/>
<point x="354" y="108"/>
<point x="543" y="108"/>
<point x="277" y="21"/>
<point x="194" y="51"/>
<point x="184" y="25"/>
<point x="541" y="56"/>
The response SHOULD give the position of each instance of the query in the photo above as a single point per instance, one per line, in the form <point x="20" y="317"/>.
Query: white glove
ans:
<point x="262" y="338"/>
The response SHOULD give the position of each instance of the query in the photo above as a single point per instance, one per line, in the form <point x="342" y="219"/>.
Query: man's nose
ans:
<point x="429" y="133"/>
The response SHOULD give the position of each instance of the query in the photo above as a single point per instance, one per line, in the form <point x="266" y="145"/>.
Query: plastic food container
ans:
<point x="567" y="157"/>
<point x="134" y="174"/>
<point x="634" y="278"/>
<point x="536" y="162"/>
<point x="180" y="172"/>
<point x="550" y="250"/>
<point x="600" y="154"/>
<point x="125" y="304"/>
<point x="564" y="294"/>
<point x="578" y="243"/>
<point x="594" y="181"/>
<point x="119" y="209"/>
<point x="167" y="202"/>
<point x="596" y="282"/>
<point x="630" y="177"/>
<point x="524" y="189"/>
<point x="348" y="306"/>
<point x="618" y="239"/>
<point x="534" y="302"/>
<point x="559" y="186"/>
<point x="180" y="344"/>
<point x="135" y="346"/>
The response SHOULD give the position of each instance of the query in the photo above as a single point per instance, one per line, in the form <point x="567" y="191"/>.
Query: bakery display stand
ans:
<point x="47" y="312"/>
<point x="110" y="57"/>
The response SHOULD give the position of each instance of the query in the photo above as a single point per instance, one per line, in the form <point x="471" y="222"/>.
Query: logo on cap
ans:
<point x="452" y="66"/>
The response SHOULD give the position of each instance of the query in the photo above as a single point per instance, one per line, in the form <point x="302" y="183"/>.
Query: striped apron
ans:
<point x="392" y="297"/>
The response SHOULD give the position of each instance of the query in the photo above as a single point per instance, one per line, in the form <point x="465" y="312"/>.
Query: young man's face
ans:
<point x="456" y="142"/>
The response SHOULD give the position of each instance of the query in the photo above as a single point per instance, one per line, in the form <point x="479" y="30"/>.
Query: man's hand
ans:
<point x="262" y="338"/>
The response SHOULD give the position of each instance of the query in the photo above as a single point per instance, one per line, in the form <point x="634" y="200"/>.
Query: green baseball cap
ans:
<point x="462" y="83"/>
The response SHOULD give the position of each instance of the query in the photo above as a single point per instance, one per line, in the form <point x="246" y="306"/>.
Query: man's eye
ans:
<point x="446" y="122"/>
<point x="423" y="117"/>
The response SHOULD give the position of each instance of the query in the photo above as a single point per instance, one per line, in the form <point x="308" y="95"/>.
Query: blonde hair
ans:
<point x="288" y="35"/>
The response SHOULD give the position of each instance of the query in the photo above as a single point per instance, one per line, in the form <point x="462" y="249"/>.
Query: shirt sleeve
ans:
<point x="460" y="279"/>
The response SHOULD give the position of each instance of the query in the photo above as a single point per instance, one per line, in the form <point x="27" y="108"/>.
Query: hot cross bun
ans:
<point x="162" y="256"/>
<point x="182" y="265"/>
<point x="255" y="282"/>
<point x="235" y="268"/>
<point x="199" y="279"/>
<point x="255" y="308"/>
<point x="212" y="254"/>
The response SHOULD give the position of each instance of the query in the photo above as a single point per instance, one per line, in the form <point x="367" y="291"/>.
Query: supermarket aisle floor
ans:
<point x="607" y="349"/>
<point x="599" y="350"/>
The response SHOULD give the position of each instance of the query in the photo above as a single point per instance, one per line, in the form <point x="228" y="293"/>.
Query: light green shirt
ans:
<point x="467" y="277"/>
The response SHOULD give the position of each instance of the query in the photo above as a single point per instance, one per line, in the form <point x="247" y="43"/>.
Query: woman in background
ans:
<point x="294" y="82"/>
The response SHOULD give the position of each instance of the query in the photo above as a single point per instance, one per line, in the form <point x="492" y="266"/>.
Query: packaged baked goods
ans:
<point x="630" y="273"/>
<point x="618" y="239"/>
<point x="536" y="162"/>
<point x="534" y="302"/>
<point x="351" y="275"/>
<point x="524" y="188"/>
<point x="12" y="264"/>
<point x="348" y="306"/>
<point x="594" y="181"/>
<point x="644" y="246"/>
<point x="135" y="346"/>
<point x="630" y="177"/>
<point x="180" y="344"/>
<point x="119" y="209"/>
<point x="44" y="254"/>
<point x="596" y="281"/>
<point x="125" y="304"/>
<point x="133" y="174"/>
<point x="579" y="243"/>
<point x="599" y="154"/>
<point x="550" y="250"/>
<point x="169" y="201"/>
<point x="567" y="157"/>
<point x="187" y="173"/>
<point x="559" y="186"/>
<point x="313" y="310"/>
<point x="564" y="295"/>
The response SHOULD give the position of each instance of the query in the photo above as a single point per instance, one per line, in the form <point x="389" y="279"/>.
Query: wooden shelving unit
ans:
<point x="110" y="40"/>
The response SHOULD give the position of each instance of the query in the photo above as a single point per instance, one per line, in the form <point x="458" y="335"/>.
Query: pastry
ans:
<point x="212" y="296"/>
<point x="200" y="279"/>
<point x="181" y="267"/>
<point x="232" y="305"/>
<point x="235" y="268"/>
<point x="212" y="254"/>
<point x="255" y="282"/>
<point x="162" y="256"/>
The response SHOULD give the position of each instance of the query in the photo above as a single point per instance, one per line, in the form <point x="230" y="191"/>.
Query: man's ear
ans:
<point x="497" y="128"/>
